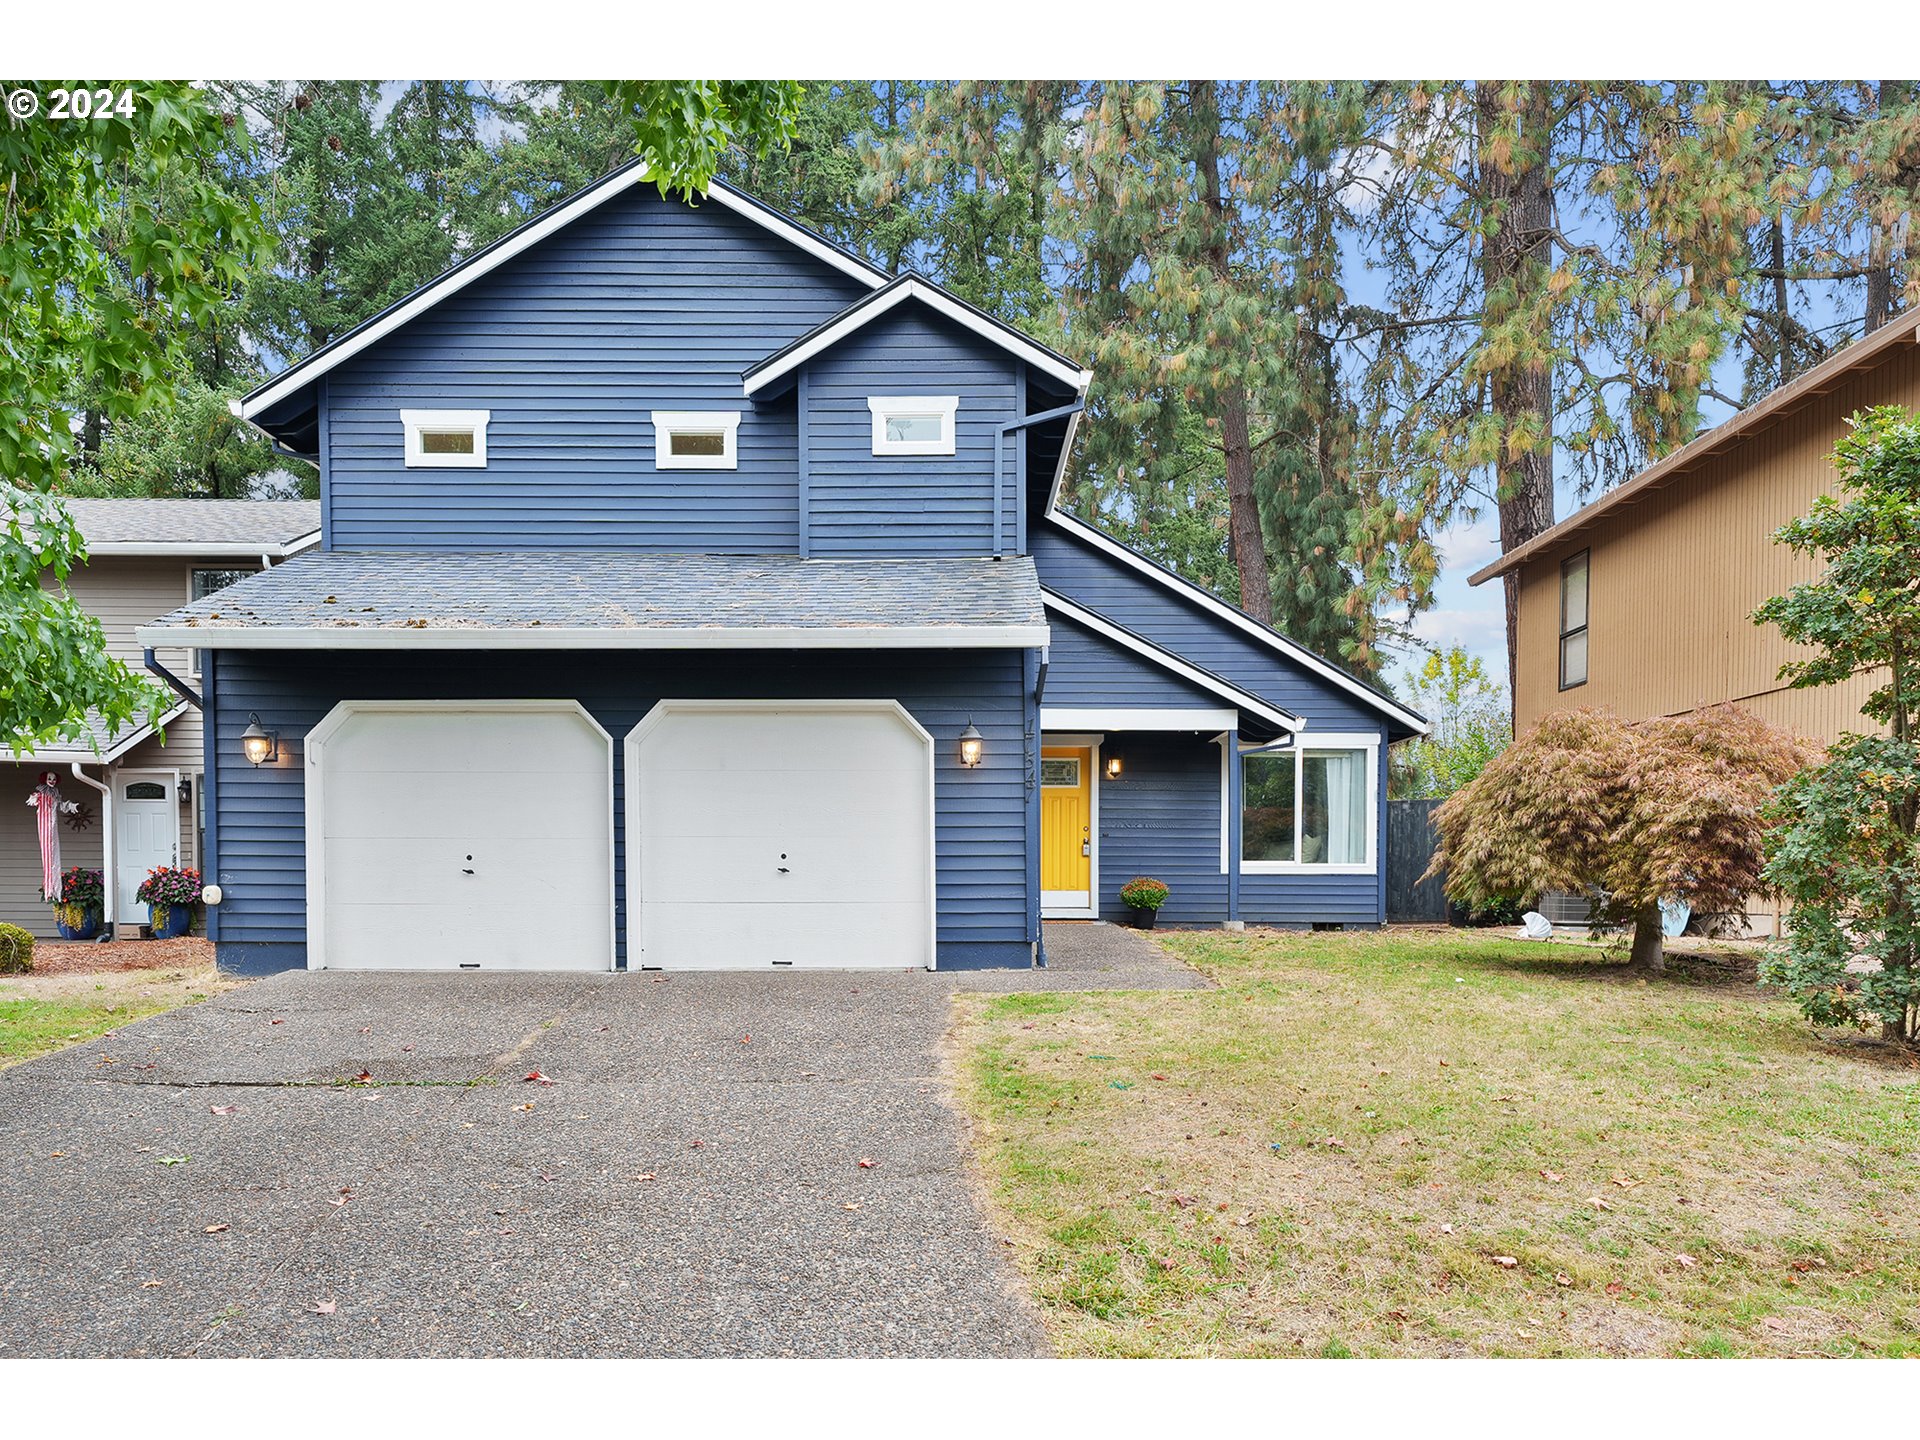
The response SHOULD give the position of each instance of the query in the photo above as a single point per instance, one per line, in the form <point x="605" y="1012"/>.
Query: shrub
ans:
<point x="16" y="950"/>
<point x="169" y="887"/>
<point x="1143" y="892"/>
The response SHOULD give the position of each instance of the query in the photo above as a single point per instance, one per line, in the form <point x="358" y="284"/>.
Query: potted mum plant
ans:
<point x="1143" y="896"/>
<point x="170" y="895"/>
<point x="78" y="906"/>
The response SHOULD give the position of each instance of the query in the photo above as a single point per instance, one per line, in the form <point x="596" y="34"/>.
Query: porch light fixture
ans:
<point x="972" y="743"/>
<point x="256" y="744"/>
<point x="1113" y="767"/>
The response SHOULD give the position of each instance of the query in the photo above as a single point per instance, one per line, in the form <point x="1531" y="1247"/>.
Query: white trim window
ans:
<point x="696" y="439"/>
<point x="913" y="424"/>
<point x="446" y="439"/>
<point x="1312" y="808"/>
<point x="205" y="580"/>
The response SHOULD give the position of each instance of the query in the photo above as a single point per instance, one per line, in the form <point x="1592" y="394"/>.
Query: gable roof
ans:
<point x="99" y="746"/>
<point x="250" y="528"/>
<point x="1193" y="674"/>
<point x="298" y="376"/>
<point x="1264" y="633"/>
<point x="612" y="600"/>
<point x="1828" y="375"/>
<point x="868" y="308"/>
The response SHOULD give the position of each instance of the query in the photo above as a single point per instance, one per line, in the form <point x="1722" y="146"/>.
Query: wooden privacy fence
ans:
<point x="1411" y="841"/>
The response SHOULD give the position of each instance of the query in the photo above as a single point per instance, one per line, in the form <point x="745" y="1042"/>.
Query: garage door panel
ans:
<point x="406" y="797"/>
<point x="722" y="799"/>
<point x="756" y="937"/>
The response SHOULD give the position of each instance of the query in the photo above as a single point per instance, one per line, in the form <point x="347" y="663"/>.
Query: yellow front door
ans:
<point x="1066" y="828"/>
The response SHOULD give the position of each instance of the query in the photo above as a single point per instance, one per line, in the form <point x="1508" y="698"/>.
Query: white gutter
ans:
<point x="212" y="550"/>
<point x="106" y="845"/>
<point x="554" y="637"/>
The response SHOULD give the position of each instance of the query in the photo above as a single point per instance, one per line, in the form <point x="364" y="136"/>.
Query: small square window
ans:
<point x="446" y="439"/>
<point x="696" y="439"/>
<point x="1062" y="773"/>
<point x="913" y="424"/>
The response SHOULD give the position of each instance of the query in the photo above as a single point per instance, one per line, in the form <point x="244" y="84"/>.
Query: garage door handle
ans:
<point x="465" y="871"/>
<point x="783" y="870"/>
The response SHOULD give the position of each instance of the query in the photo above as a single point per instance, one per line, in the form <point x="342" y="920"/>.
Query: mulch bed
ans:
<point x="61" y="957"/>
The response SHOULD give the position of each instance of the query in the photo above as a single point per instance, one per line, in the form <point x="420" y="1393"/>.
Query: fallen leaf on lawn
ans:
<point x="1552" y="1177"/>
<point x="1626" y="1182"/>
<point x="1332" y="1144"/>
<point x="175" y="1159"/>
<point x="527" y="1106"/>
<point x="1562" y="1279"/>
<point x="214" y="1229"/>
<point x="224" y="1109"/>
<point x="1399" y="1315"/>
<point x="1774" y="1322"/>
<point x="364" y="1077"/>
<point x="1158" y="1076"/>
<point x="322" y="1307"/>
<point x="1221" y="1206"/>
<point x="1687" y="1262"/>
<point x="1505" y="1262"/>
<point x="535" y="1077"/>
<point x="1597" y="1203"/>
<point x="1614" y="1287"/>
<point x="1185" y="1202"/>
<point x="867" y="1164"/>
<point x="1028" y="1026"/>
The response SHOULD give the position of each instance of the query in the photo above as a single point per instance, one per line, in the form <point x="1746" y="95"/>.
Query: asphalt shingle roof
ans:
<point x="223" y="522"/>
<point x="103" y="742"/>
<point x="620" y="592"/>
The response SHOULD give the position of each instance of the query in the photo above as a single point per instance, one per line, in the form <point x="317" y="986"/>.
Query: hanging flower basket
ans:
<point x="77" y="908"/>
<point x="170" y="896"/>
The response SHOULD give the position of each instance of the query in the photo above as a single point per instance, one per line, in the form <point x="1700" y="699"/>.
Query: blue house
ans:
<point x="692" y="594"/>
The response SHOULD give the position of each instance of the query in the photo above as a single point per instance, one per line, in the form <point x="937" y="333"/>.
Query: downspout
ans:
<point x="106" y="847"/>
<point x="174" y="682"/>
<point x="999" y="464"/>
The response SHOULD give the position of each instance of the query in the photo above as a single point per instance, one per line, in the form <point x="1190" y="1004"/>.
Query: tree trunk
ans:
<point x="1649" y="943"/>
<point x="1886" y="252"/>
<point x="1515" y="262"/>
<point x="1782" y="303"/>
<point x="1244" y="533"/>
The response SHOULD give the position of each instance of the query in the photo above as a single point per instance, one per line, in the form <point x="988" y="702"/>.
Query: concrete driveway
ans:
<point x="690" y="1184"/>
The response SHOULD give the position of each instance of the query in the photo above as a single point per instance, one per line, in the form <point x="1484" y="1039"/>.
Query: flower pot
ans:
<point x="170" y="920"/>
<point x="76" y="922"/>
<point x="1142" y="919"/>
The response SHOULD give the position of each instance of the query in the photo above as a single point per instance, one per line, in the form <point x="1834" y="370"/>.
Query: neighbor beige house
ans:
<point x="138" y="790"/>
<point x="1643" y="601"/>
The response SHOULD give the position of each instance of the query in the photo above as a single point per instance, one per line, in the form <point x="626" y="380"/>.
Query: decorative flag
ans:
<point x="46" y="800"/>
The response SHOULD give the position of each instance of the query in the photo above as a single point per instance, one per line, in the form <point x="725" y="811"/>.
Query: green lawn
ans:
<point x="1433" y="1143"/>
<point x="43" y="1013"/>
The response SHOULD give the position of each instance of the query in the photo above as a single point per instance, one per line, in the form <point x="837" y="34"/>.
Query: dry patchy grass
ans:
<point x="1339" y="1150"/>
<point x="43" y="1013"/>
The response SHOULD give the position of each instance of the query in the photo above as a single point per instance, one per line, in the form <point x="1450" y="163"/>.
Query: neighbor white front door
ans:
<point x="768" y="834"/>
<point x="460" y="835"/>
<point x="146" y="835"/>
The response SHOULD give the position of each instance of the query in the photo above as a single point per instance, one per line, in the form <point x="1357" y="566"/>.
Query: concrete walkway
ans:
<point x="691" y="1184"/>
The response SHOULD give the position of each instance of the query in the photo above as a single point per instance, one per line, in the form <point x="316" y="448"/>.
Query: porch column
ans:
<point x="1230" y="825"/>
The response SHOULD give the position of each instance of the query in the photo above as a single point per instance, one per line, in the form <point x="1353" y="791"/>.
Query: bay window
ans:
<point x="1311" y="807"/>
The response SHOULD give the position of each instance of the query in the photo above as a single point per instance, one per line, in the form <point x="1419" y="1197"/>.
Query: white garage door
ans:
<point x="766" y="835"/>
<point x="469" y="837"/>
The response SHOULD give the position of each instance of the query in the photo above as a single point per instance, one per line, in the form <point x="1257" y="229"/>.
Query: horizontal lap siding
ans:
<point x="1085" y="669"/>
<point x="1161" y="817"/>
<point x="865" y="504"/>
<point x="980" y="815"/>
<point x="641" y="305"/>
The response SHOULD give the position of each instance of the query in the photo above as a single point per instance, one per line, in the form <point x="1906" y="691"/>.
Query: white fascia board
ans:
<point x="216" y="550"/>
<point x="1167" y="660"/>
<point x="553" y="637"/>
<point x="960" y="315"/>
<point x="1105" y="720"/>
<point x="462" y="276"/>
<point x="1268" y="636"/>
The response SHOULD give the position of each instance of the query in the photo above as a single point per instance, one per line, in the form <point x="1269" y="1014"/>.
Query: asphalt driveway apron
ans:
<point x="691" y="1183"/>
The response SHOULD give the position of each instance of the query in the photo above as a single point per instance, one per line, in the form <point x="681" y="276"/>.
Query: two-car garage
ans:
<point x="480" y="835"/>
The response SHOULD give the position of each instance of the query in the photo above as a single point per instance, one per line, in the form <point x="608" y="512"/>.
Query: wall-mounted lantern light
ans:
<point x="972" y="743"/>
<point x="256" y="744"/>
<point x="1113" y="767"/>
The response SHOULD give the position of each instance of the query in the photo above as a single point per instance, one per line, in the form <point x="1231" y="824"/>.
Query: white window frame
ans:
<point x="1368" y="742"/>
<point x="193" y="655"/>
<point x="947" y="407"/>
<point x="416" y="421"/>
<point x="702" y="422"/>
